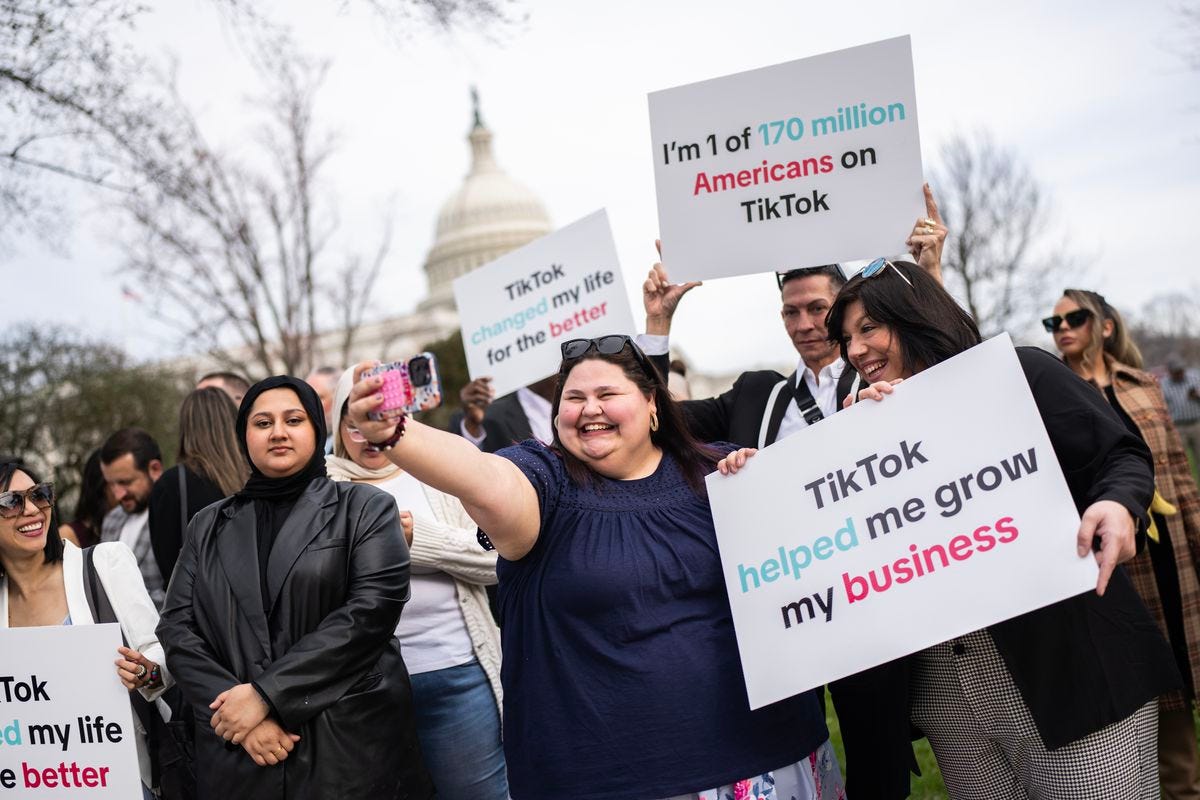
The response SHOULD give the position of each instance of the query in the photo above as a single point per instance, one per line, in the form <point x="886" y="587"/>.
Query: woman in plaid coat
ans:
<point x="1091" y="336"/>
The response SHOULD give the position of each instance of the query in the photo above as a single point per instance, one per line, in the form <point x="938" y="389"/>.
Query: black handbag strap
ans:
<point x="808" y="404"/>
<point x="805" y="400"/>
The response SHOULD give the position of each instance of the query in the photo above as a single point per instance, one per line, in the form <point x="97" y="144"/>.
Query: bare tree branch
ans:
<point x="999" y="260"/>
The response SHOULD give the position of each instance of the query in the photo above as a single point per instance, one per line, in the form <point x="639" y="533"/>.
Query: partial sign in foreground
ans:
<point x="796" y="165"/>
<point x="65" y="722"/>
<point x="896" y="525"/>
<point x="516" y="310"/>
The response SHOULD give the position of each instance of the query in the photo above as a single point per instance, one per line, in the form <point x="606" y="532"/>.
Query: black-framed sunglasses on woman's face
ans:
<point x="878" y="265"/>
<point x="13" y="503"/>
<point x="1074" y="319"/>
<point x="608" y="345"/>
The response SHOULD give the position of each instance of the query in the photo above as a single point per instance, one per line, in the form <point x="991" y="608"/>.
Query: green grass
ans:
<point x="927" y="786"/>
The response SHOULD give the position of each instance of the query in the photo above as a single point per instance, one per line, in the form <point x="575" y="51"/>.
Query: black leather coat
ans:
<point x="324" y="652"/>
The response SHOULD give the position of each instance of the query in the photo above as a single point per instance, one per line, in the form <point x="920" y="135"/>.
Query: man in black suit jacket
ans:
<point x="495" y="424"/>
<point x="764" y="406"/>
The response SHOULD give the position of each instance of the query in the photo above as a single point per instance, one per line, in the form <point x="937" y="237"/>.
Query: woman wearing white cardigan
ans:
<point x="449" y="641"/>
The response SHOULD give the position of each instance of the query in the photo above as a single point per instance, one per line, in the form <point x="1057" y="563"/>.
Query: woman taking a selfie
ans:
<point x="278" y="622"/>
<point x="621" y="672"/>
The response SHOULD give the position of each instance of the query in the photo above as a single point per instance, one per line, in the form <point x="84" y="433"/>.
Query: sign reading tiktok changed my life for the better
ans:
<point x="799" y="164"/>
<point x="895" y="525"/>
<point x="517" y="310"/>
<point x="65" y="722"/>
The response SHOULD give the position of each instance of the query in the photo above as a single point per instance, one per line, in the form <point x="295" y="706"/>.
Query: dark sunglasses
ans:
<point x="609" y="346"/>
<point x="877" y="267"/>
<point x="832" y="270"/>
<point x="13" y="503"/>
<point x="1074" y="319"/>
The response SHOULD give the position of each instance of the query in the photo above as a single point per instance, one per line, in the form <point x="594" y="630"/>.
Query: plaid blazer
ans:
<point x="1140" y="397"/>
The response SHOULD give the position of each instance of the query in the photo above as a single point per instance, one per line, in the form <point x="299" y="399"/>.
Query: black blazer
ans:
<point x="736" y="416"/>
<point x="323" y="653"/>
<point x="1080" y="664"/>
<point x="504" y="423"/>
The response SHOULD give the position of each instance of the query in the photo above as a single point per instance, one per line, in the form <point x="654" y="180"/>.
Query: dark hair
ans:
<point x="134" y="441"/>
<point x="837" y="278"/>
<point x="93" y="495"/>
<point x="677" y="366"/>
<point x="695" y="458"/>
<point x="929" y="323"/>
<point x="54" y="546"/>
<point x="230" y="379"/>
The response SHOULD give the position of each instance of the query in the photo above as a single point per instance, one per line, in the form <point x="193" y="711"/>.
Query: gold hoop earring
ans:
<point x="555" y="421"/>
<point x="653" y="422"/>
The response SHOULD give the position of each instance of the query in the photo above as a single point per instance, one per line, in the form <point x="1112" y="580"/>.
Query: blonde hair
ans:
<point x="207" y="440"/>
<point x="1118" y="344"/>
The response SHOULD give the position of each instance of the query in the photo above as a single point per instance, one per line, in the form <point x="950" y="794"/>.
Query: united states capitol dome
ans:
<point x="489" y="215"/>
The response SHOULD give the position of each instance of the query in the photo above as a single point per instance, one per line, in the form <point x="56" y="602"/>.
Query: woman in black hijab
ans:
<point x="279" y="618"/>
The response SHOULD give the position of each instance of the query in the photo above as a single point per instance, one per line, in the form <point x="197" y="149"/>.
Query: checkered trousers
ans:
<point x="988" y="747"/>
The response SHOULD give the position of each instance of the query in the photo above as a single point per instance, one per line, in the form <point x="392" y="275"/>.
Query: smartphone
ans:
<point x="408" y="386"/>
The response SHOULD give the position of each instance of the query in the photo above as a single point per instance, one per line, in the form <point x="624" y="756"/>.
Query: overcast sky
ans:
<point x="1094" y="96"/>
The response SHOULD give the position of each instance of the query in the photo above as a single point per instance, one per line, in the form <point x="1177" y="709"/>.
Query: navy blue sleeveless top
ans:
<point x="621" y="671"/>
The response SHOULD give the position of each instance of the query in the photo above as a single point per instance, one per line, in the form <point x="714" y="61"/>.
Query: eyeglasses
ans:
<point x="13" y="503"/>
<point x="1074" y="319"/>
<point x="877" y="266"/>
<point x="832" y="270"/>
<point x="609" y="346"/>
<point x="354" y="434"/>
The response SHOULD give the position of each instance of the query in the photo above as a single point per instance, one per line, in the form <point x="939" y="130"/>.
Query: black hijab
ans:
<point x="290" y="487"/>
<point x="274" y="498"/>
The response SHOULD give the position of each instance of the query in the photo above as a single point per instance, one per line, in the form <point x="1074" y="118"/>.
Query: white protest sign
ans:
<point x="516" y="310"/>
<point x="65" y="721"/>
<point x="896" y="525"/>
<point x="799" y="164"/>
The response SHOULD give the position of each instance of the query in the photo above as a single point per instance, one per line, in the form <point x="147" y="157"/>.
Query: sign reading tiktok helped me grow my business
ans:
<point x="796" y="165"/>
<point x="896" y="525"/>
<point x="517" y="310"/>
<point x="65" y="722"/>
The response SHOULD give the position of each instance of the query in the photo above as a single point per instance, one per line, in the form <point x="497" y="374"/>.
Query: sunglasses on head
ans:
<point x="831" y="270"/>
<point x="877" y="266"/>
<point x="609" y="346"/>
<point x="1074" y="319"/>
<point x="13" y="503"/>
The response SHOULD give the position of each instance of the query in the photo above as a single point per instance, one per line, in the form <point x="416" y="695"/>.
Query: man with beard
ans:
<point x="131" y="462"/>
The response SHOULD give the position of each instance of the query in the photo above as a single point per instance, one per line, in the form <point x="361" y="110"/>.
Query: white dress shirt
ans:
<point x="824" y="394"/>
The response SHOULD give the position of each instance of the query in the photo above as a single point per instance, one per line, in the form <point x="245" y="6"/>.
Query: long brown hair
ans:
<point x="207" y="442"/>
<point x="1118" y="344"/>
<point x="695" y="458"/>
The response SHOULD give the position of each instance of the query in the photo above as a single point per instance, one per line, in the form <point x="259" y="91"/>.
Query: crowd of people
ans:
<point x="320" y="602"/>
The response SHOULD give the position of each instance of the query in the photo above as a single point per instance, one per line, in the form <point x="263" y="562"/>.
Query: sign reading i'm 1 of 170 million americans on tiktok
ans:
<point x="799" y="164"/>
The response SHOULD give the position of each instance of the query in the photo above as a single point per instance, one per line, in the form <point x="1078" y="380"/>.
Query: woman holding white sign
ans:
<point x="43" y="581"/>
<point x="1059" y="702"/>
<point x="621" y="672"/>
<point x="1094" y="343"/>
